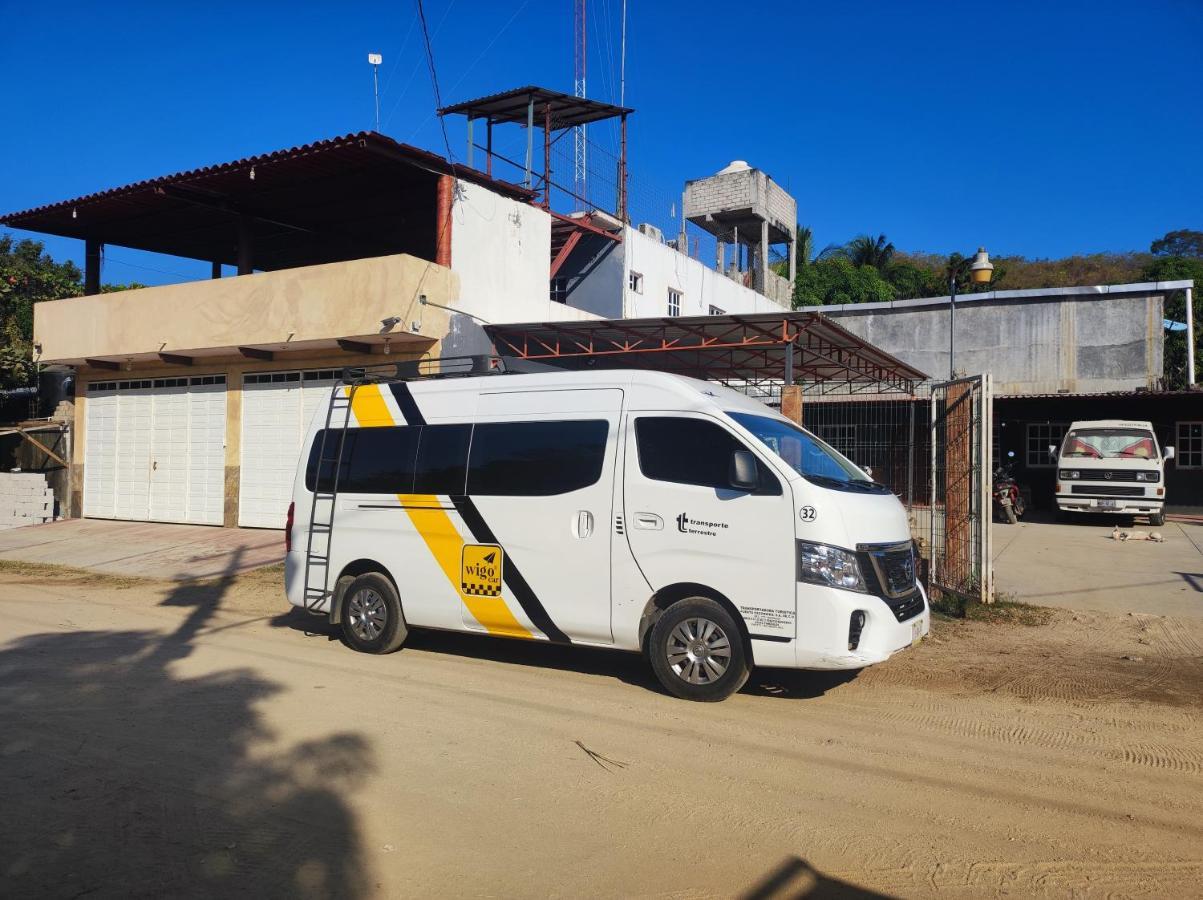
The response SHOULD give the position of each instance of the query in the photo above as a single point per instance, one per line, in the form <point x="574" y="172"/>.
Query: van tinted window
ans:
<point x="536" y="459"/>
<point x="442" y="459"/>
<point x="374" y="460"/>
<point x="692" y="451"/>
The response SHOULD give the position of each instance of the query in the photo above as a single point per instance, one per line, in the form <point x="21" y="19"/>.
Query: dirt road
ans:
<point x="159" y="739"/>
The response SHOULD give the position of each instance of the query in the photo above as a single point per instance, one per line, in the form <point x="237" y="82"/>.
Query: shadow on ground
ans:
<point x="122" y="776"/>
<point x="795" y="879"/>
<point x="629" y="668"/>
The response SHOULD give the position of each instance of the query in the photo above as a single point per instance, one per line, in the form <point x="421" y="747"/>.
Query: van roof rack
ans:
<point x="427" y="368"/>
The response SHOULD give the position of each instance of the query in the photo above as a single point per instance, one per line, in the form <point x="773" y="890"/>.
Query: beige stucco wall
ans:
<point x="288" y="307"/>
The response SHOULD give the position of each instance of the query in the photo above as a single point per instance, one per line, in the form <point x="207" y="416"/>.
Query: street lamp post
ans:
<point x="979" y="271"/>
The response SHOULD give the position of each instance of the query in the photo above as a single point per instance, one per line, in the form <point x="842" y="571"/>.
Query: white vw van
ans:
<point x="1112" y="466"/>
<point x="627" y="509"/>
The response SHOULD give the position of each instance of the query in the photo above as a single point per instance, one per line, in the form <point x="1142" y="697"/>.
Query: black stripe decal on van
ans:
<point x="518" y="586"/>
<point x="405" y="401"/>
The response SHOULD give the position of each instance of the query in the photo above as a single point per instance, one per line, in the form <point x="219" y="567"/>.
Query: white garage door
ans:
<point x="276" y="409"/>
<point x="154" y="449"/>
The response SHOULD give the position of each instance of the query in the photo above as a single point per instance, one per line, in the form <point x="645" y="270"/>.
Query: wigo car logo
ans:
<point x="687" y="525"/>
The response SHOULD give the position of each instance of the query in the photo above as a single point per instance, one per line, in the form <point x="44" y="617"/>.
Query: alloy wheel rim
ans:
<point x="367" y="614"/>
<point x="698" y="651"/>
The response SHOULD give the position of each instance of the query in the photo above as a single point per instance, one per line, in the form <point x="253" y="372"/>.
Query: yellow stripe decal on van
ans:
<point x="430" y="519"/>
<point x="369" y="407"/>
<point x="444" y="540"/>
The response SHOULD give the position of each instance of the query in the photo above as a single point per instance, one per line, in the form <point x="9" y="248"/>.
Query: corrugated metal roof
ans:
<point x="513" y="107"/>
<point x="362" y="140"/>
<point x="1100" y="394"/>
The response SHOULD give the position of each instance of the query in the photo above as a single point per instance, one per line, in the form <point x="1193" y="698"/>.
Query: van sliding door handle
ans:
<point x="584" y="523"/>
<point x="650" y="521"/>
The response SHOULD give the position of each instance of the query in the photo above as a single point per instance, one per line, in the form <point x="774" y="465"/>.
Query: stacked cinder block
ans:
<point x="25" y="499"/>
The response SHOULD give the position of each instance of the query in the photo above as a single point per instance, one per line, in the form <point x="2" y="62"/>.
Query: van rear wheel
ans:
<point x="697" y="651"/>
<point x="372" y="621"/>
<point x="1157" y="519"/>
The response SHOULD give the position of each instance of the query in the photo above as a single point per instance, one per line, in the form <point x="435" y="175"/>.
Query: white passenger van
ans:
<point x="1111" y="466"/>
<point x="629" y="509"/>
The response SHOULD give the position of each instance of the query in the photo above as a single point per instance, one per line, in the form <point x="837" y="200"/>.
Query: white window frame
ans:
<point x="559" y="290"/>
<point x="674" y="301"/>
<point x="635" y="282"/>
<point x="1042" y="460"/>
<point x="715" y="311"/>
<point x="1185" y="445"/>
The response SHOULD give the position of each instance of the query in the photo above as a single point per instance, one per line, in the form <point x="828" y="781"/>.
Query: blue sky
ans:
<point x="1036" y="128"/>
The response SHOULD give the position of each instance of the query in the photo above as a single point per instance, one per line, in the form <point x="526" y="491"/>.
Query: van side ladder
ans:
<point x="325" y="498"/>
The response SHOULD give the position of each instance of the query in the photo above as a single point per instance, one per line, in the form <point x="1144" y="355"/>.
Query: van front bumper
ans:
<point x="1112" y="505"/>
<point x="824" y="617"/>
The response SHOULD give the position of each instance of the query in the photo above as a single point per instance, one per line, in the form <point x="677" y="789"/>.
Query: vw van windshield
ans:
<point x="1109" y="443"/>
<point x="807" y="455"/>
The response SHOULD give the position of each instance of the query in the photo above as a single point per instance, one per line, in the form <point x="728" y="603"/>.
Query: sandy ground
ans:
<point x="186" y="740"/>
<point x="1076" y="565"/>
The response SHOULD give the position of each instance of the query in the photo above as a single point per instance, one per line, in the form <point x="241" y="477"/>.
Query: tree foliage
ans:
<point x="866" y="250"/>
<point x="835" y="280"/>
<point x="1184" y="243"/>
<point x="28" y="275"/>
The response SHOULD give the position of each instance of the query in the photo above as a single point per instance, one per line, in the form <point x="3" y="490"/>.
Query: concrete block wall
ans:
<point x="25" y="499"/>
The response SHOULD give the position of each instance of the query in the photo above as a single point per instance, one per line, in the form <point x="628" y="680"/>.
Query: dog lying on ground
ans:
<point x="1117" y="535"/>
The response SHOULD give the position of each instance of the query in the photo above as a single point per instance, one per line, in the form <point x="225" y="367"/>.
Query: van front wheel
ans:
<point x="697" y="651"/>
<point x="371" y="615"/>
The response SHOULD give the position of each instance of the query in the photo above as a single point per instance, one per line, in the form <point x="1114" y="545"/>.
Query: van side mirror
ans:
<point x="744" y="474"/>
<point x="1052" y="452"/>
<point x="1169" y="453"/>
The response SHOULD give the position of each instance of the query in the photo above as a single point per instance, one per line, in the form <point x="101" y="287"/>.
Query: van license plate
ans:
<point x="916" y="631"/>
<point x="1107" y="504"/>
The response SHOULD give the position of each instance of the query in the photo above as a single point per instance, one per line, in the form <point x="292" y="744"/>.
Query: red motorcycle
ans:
<point x="1008" y="501"/>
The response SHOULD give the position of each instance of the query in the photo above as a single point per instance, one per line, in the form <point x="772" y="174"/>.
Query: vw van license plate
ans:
<point x="916" y="631"/>
<point x="1106" y="504"/>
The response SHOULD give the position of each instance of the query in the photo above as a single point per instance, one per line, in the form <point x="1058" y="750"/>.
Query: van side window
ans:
<point x="442" y="459"/>
<point x="692" y="451"/>
<point x="536" y="459"/>
<point x="374" y="460"/>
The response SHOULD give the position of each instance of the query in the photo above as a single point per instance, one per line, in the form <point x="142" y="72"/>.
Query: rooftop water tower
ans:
<point x="744" y="208"/>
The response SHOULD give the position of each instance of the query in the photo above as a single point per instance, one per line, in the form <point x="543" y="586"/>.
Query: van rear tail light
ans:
<point x="292" y="508"/>
<point x="856" y="624"/>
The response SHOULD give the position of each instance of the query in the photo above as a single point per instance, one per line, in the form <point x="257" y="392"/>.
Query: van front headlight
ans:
<point x="829" y="566"/>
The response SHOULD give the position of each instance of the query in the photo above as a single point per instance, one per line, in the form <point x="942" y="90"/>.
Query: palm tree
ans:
<point x="865" y="250"/>
<point x="805" y="245"/>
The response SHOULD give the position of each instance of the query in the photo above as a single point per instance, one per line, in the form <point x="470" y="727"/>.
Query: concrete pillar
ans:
<point x="92" y="251"/>
<point x="793" y="258"/>
<point x="445" y="193"/>
<point x="763" y="277"/>
<point x="720" y="253"/>
<point x="958" y="485"/>
<point x="791" y="402"/>
<point x="246" y="264"/>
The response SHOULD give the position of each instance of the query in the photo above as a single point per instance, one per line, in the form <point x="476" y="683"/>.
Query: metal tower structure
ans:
<point x="580" y="162"/>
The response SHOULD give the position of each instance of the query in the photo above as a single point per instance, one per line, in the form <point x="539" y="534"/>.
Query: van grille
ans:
<point x="1118" y="475"/>
<point x="1107" y="490"/>
<point x="907" y="608"/>
<point x="893" y="565"/>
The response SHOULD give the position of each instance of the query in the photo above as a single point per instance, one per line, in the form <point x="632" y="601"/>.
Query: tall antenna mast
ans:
<point x="622" y="65"/>
<point x="375" y="59"/>
<point x="578" y="84"/>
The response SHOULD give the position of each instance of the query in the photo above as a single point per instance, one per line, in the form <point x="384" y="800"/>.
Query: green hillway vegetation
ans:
<point x="870" y="269"/>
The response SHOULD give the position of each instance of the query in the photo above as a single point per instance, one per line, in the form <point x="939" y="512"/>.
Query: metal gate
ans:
<point x="961" y="489"/>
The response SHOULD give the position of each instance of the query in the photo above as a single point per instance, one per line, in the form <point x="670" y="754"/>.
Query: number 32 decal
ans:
<point x="807" y="514"/>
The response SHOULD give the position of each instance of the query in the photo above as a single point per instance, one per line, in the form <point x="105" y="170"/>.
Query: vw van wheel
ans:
<point x="1157" y="520"/>
<point x="371" y="616"/>
<point x="697" y="651"/>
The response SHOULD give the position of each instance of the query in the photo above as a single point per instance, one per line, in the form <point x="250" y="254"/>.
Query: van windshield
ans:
<point x="807" y="455"/>
<point x="1109" y="443"/>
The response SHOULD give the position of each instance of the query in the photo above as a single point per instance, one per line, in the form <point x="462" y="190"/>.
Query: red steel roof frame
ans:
<point x="731" y="347"/>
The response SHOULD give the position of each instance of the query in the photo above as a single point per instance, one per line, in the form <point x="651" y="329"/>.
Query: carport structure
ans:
<point x="758" y="352"/>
